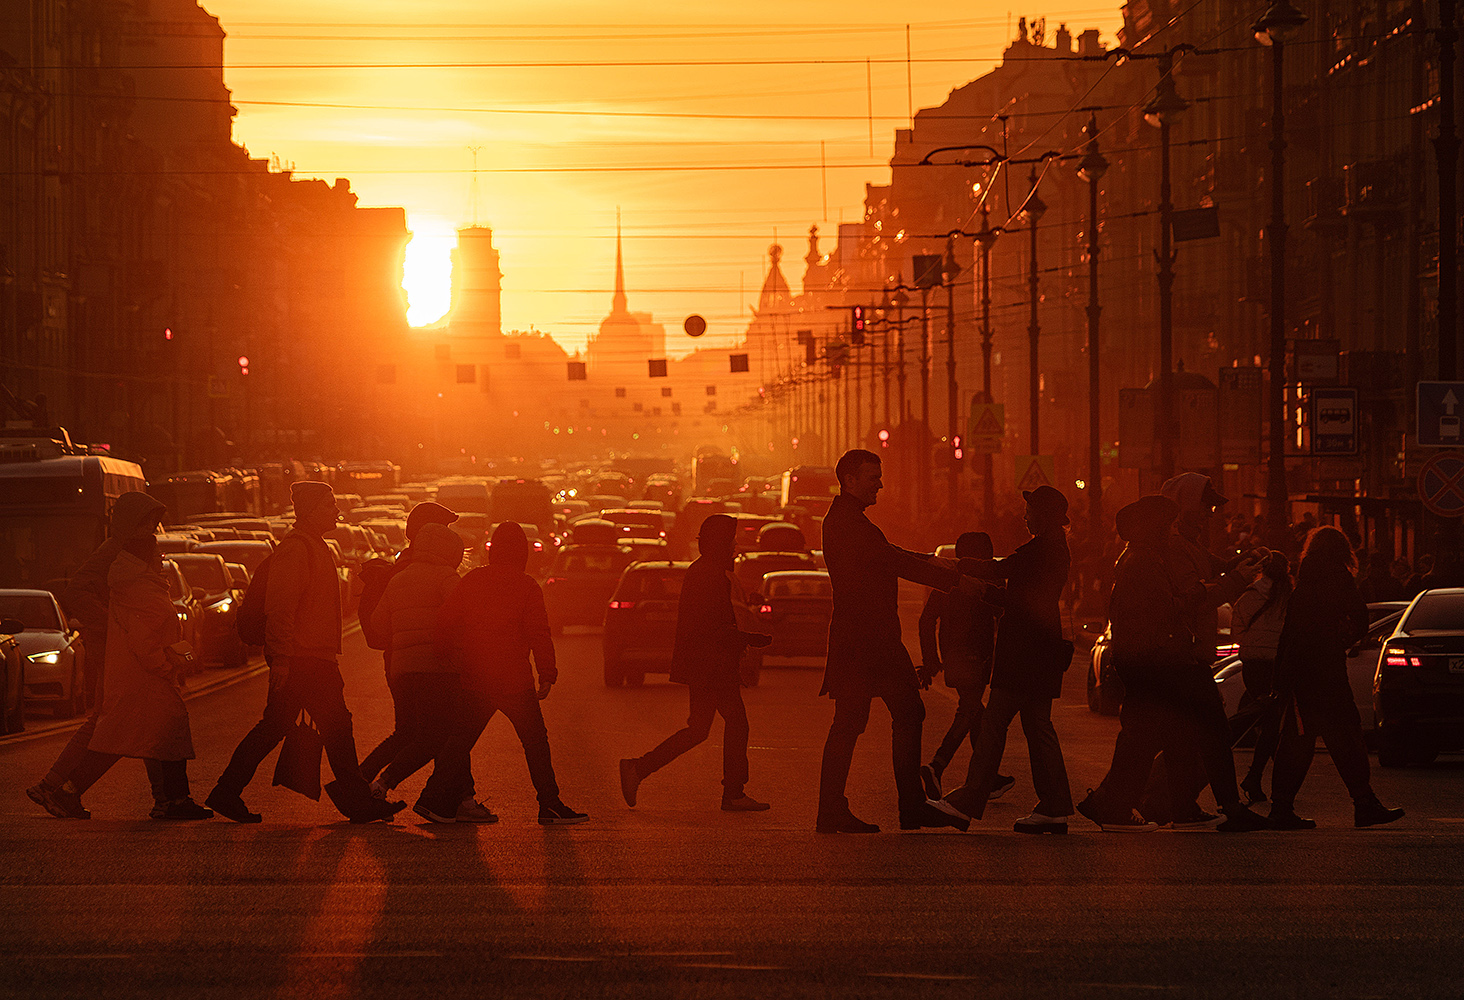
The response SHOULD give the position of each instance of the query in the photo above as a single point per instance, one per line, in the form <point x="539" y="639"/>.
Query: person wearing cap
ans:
<point x="489" y="626"/>
<point x="376" y="577"/>
<point x="302" y="639"/>
<point x="1031" y="656"/>
<point x="705" y="657"/>
<point x="867" y="658"/>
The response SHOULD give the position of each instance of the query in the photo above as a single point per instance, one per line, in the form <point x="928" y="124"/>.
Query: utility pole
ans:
<point x="1091" y="169"/>
<point x="952" y="269"/>
<point x="1163" y="110"/>
<point x="1034" y="211"/>
<point x="900" y="299"/>
<point x="923" y="456"/>
<point x="988" y="471"/>
<point x="1446" y="152"/>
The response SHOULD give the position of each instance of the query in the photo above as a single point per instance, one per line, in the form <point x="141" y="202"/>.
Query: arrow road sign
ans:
<point x="1438" y="413"/>
<point x="1441" y="484"/>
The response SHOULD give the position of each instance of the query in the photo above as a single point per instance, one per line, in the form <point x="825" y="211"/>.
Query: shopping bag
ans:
<point x="298" y="768"/>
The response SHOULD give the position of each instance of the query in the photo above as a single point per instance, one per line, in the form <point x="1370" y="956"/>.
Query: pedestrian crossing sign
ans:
<point x="1034" y="471"/>
<point x="986" y="428"/>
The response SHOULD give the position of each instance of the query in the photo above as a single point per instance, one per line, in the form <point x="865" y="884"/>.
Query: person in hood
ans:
<point x="135" y="516"/>
<point x="376" y="577"/>
<point x="491" y="624"/>
<point x="957" y="638"/>
<point x="302" y="628"/>
<point x="142" y="713"/>
<point x="424" y="684"/>
<point x="707" y="651"/>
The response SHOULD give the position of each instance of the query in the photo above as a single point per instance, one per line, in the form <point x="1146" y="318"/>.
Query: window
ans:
<point x="513" y="350"/>
<point x="676" y="409"/>
<point x="638" y="408"/>
<point x="666" y="391"/>
<point x="711" y="390"/>
<point x="467" y="373"/>
<point x="620" y="392"/>
<point x="655" y="411"/>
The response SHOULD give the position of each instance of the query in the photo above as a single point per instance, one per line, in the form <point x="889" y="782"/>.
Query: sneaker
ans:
<point x="1004" y="783"/>
<point x="1250" y="790"/>
<point x="473" y="811"/>
<point x="847" y="823"/>
<point x="1374" y="813"/>
<point x="744" y="804"/>
<point x="379" y="789"/>
<point x="1200" y="820"/>
<point x="630" y="780"/>
<point x="931" y="781"/>
<point x="422" y="810"/>
<point x="180" y="809"/>
<point x="559" y="814"/>
<point x="376" y="810"/>
<point x="1111" y="822"/>
<point x="1286" y="819"/>
<point x="1038" y="823"/>
<point x="936" y="814"/>
<point x="58" y="802"/>
<point x="1239" y="819"/>
<point x="231" y="807"/>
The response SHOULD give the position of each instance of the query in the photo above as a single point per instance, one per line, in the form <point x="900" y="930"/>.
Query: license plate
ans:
<point x="1456" y="664"/>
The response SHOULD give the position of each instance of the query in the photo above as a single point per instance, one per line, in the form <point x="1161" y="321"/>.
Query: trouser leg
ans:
<point x="698" y="726"/>
<point x="1002" y="706"/>
<point x="1049" y="772"/>
<point x="966" y="723"/>
<point x="281" y="707"/>
<point x="169" y="779"/>
<point x="73" y="753"/>
<point x="90" y="768"/>
<point x="388" y="748"/>
<point x="322" y="691"/>
<point x="450" y="778"/>
<point x="734" y="742"/>
<point x="528" y="722"/>
<point x="851" y="716"/>
<point x="1294" y="756"/>
<point x="425" y="719"/>
<point x="1139" y="742"/>
<point x="907" y="718"/>
<point x="1340" y="728"/>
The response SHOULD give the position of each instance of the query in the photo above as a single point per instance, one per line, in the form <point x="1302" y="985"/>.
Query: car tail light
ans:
<point x="553" y="579"/>
<point x="621" y="605"/>
<point x="766" y="609"/>
<point x="538" y="546"/>
<point x="1398" y="656"/>
<point x="1221" y="652"/>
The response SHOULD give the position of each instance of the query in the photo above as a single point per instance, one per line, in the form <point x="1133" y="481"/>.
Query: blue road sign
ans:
<point x="1440" y="407"/>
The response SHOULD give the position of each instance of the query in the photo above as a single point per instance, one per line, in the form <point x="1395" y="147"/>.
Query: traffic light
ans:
<point x="884" y="438"/>
<point x="243" y="365"/>
<point x="957" y="452"/>
<point x="167" y="333"/>
<point x="856" y="328"/>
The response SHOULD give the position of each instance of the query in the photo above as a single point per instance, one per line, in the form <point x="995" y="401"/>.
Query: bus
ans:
<point x="185" y="494"/>
<point x="527" y="501"/>
<point x="369" y="478"/>
<point x="712" y="466"/>
<point x="55" y="503"/>
<point x="812" y="487"/>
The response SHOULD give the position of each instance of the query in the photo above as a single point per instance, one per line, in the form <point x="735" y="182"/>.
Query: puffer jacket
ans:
<point x="408" y="609"/>
<point x="1255" y="625"/>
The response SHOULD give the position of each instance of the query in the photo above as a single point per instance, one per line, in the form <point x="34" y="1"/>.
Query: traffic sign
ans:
<point x="986" y="428"/>
<point x="1440" y="405"/>
<point x="1334" y="421"/>
<point x="1441" y="484"/>
<point x="1034" y="471"/>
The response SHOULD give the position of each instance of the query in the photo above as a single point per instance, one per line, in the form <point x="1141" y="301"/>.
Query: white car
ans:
<point x="51" y="650"/>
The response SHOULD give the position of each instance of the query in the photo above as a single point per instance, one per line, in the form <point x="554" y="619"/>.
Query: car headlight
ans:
<point x="51" y="657"/>
<point x="221" y="606"/>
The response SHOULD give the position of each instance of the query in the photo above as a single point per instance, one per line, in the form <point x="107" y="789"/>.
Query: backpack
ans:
<point x="250" y="619"/>
<point x="375" y="575"/>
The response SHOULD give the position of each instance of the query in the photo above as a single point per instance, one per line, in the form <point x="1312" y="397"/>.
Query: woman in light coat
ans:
<point x="1255" y="623"/>
<point x="142" y="713"/>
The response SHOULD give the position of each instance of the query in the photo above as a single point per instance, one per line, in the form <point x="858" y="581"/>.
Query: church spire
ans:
<point x="617" y="303"/>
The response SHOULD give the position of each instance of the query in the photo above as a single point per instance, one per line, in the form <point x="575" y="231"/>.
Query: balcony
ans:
<point x="1322" y="203"/>
<point x="1373" y="190"/>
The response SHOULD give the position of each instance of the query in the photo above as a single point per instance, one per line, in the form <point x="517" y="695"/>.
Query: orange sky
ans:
<point x="695" y="239"/>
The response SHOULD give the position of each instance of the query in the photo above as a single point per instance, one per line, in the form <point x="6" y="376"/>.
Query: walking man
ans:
<point x="705" y="657"/>
<point x="1031" y="656"/>
<point x="302" y="631"/>
<point x="866" y="658"/>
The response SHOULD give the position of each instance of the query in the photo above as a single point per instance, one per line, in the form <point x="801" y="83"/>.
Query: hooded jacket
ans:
<point x="88" y="592"/>
<point x="407" y="612"/>
<point x="495" y="618"/>
<point x="142" y="712"/>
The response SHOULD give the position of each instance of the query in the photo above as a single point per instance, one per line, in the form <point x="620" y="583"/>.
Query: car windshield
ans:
<point x="1436" y="612"/>
<point x="589" y="562"/>
<point x="250" y="554"/>
<point x="37" y="611"/>
<point x="652" y="585"/>
<point x="206" y="573"/>
<point x="799" y="586"/>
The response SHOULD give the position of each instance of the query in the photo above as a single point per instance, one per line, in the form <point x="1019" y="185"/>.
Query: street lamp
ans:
<point x="1032" y="213"/>
<point x="1091" y="169"/>
<point x="1271" y="30"/>
<point x="1162" y="111"/>
<point x="949" y="270"/>
<point x="986" y="237"/>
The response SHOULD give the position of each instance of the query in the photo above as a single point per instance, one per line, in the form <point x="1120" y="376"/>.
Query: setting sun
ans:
<point x="427" y="270"/>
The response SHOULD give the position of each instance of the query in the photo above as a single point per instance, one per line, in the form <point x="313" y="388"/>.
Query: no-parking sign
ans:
<point x="1441" y="484"/>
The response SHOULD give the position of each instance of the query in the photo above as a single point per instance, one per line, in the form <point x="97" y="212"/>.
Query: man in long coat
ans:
<point x="866" y="657"/>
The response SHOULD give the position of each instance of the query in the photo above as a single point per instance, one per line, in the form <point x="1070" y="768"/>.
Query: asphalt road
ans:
<point x="676" y="898"/>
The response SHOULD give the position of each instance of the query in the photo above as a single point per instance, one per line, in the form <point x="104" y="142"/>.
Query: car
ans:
<point x="593" y="531"/>
<point x="218" y="636"/>
<point x="581" y="580"/>
<point x="169" y="542"/>
<point x="238" y="575"/>
<point x="12" y="681"/>
<point x="395" y="529"/>
<point x="187" y="602"/>
<point x="781" y="536"/>
<point x="640" y="624"/>
<point x="1418" y="687"/>
<point x="633" y="523"/>
<point x="748" y="528"/>
<point x="251" y="553"/>
<point x="55" y="659"/>
<point x="750" y="567"/>
<point x="795" y="609"/>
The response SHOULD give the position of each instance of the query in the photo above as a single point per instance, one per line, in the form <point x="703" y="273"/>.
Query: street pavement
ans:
<point x="678" y="899"/>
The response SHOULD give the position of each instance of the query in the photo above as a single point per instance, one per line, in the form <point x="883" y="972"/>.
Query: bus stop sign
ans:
<point x="1440" y="406"/>
<point x="1441" y="484"/>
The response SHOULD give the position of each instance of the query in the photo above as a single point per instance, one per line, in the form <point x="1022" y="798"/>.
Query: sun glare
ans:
<point x="427" y="271"/>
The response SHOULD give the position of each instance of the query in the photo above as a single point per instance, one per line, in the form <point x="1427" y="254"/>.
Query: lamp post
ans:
<point x="1091" y="169"/>
<point x="1033" y="213"/>
<point x="1271" y="30"/>
<point x="986" y="237"/>
<point x="1163" y="110"/>
<point x="922" y="457"/>
<point x="886" y="306"/>
<point x="950" y="269"/>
